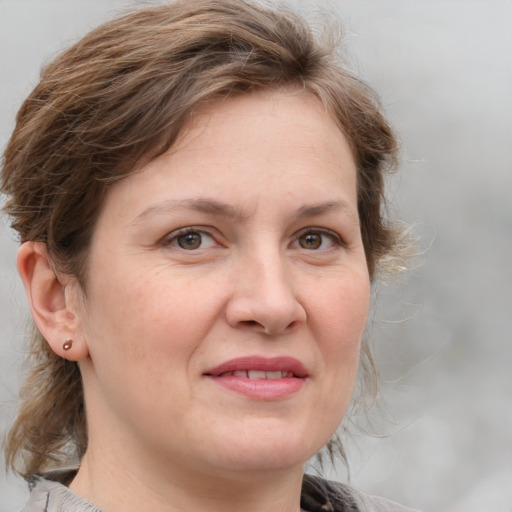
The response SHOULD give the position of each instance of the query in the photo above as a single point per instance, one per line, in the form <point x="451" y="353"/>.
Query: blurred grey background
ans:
<point x="441" y="439"/>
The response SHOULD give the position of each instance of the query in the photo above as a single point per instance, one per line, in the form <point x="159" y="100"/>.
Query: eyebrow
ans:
<point x="327" y="207"/>
<point x="214" y="207"/>
<point x="207" y="206"/>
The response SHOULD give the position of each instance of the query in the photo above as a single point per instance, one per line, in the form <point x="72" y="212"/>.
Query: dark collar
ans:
<point x="319" y="495"/>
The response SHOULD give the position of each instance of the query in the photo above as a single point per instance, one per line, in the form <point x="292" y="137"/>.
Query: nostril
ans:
<point x="259" y="314"/>
<point x="254" y="325"/>
<point x="251" y="323"/>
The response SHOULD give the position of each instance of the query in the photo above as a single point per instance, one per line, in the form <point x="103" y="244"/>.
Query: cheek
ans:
<point x="340" y="309"/>
<point x="339" y="321"/>
<point x="141" y="334"/>
<point x="148" y="318"/>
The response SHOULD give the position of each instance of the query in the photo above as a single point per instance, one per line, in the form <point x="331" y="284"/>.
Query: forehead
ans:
<point x="294" y="116"/>
<point x="249" y="145"/>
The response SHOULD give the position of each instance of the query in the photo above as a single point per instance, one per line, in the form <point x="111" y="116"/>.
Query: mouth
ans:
<point x="260" y="378"/>
<point x="258" y="374"/>
<point x="260" y="368"/>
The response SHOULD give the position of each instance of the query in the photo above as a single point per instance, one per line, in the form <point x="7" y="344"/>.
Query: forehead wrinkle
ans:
<point x="203" y="205"/>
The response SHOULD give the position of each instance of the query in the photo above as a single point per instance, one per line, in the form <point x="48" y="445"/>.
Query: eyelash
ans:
<point x="324" y="233"/>
<point x="173" y="238"/>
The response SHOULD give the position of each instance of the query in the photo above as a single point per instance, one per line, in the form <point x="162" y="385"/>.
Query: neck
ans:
<point x="116" y="487"/>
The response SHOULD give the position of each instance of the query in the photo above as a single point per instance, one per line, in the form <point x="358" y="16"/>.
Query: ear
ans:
<point x="53" y="301"/>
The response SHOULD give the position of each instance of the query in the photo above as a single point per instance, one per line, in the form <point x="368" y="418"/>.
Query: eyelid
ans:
<point x="333" y="235"/>
<point x="170" y="238"/>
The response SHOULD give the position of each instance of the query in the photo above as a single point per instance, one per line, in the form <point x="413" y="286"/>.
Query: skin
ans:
<point x="266" y="183"/>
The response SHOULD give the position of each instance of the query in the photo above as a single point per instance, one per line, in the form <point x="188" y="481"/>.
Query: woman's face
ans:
<point x="227" y="293"/>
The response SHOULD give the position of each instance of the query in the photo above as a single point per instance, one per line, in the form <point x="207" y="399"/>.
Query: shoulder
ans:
<point x="319" y="495"/>
<point x="48" y="494"/>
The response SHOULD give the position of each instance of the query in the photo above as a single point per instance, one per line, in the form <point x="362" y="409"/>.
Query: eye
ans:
<point x="311" y="241"/>
<point x="190" y="239"/>
<point x="316" y="239"/>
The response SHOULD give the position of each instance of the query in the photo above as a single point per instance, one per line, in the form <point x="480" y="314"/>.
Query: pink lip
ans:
<point x="261" y="389"/>
<point x="285" y="364"/>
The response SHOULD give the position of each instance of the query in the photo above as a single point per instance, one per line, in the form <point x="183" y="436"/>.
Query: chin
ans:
<point x="268" y="449"/>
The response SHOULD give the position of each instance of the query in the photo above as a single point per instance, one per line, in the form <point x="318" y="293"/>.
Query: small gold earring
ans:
<point x="67" y="344"/>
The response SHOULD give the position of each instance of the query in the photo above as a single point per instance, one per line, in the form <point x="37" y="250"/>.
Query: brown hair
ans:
<point x="119" y="98"/>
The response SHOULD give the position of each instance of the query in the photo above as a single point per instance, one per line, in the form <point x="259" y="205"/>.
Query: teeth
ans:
<point x="277" y="374"/>
<point x="274" y="375"/>
<point x="256" y="374"/>
<point x="259" y="374"/>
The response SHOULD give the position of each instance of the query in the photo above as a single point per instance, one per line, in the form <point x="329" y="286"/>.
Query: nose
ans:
<point x="264" y="299"/>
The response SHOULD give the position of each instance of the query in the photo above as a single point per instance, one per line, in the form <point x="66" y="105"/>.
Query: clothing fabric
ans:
<point x="49" y="493"/>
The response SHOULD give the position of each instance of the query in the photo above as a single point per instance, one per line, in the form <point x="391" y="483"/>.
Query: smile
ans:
<point x="261" y="378"/>
<point x="257" y="367"/>
<point x="258" y="374"/>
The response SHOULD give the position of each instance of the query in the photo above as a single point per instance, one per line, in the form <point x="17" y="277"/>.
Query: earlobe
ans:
<point x="52" y="307"/>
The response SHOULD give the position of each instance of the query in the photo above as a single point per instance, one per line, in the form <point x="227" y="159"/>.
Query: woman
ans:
<point x="198" y="189"/>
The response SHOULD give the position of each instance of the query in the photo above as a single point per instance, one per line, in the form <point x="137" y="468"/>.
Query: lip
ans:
<point x="266" y="364"/>
<point x="294" y="377"/>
